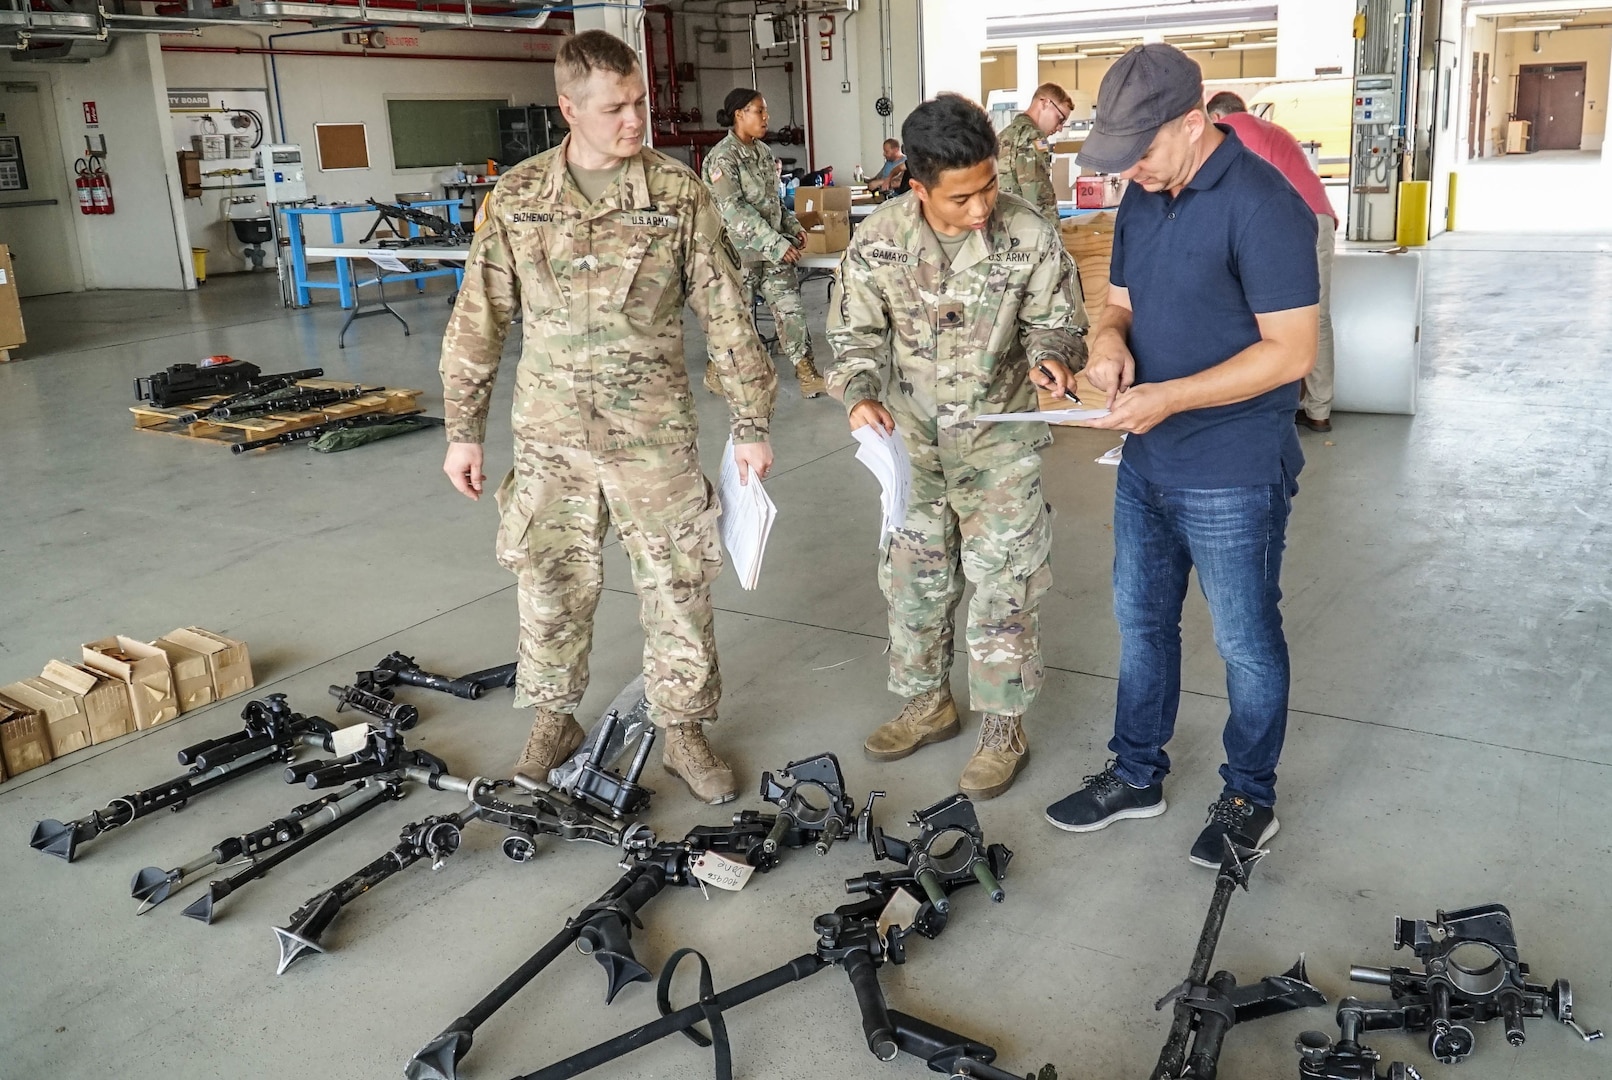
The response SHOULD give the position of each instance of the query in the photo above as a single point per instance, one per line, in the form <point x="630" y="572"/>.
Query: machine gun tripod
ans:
<point x="272" y="733"/>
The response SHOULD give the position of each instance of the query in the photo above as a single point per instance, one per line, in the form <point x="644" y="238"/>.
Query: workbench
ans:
<point x="299" y="250"/>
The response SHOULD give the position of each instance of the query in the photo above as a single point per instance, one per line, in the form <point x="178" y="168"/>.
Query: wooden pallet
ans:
<point x="229" y="432"/>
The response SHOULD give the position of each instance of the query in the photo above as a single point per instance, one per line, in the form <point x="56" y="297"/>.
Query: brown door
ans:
<point x="1478" y="107"/>
<point x="1551" y="97"/>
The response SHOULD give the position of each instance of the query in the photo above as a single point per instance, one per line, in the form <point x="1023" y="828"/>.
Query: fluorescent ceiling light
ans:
<point x="1530" y="29"/>
<point x="1054" y="57"/>
<point x="1252" y="45"/>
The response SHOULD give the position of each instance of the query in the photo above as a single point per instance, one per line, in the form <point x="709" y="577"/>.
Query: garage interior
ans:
<point x="1447" y="624"/>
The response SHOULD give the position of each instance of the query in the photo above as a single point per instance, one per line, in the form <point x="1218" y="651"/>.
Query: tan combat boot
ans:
<point x="690" y="758"/>
<point x="929" y="717"/>
<point x="712" y="383"/>
<point x="811" y="383"/>
<point x="997" y="759"/>
<point x="555" y="736"/>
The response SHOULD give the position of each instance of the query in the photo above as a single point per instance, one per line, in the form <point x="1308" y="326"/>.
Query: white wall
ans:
<point x="139" y="246"/>
<point x="345" y="87"/>
<point x="1314" y="34"/>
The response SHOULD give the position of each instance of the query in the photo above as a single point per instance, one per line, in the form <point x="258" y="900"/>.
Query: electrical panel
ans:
<point x="283" y="178"/>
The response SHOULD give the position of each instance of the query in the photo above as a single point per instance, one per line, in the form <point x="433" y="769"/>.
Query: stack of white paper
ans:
<point x="886" y="458"/>
<point x="747" y="516"/>
<point x="1051" y="416"/>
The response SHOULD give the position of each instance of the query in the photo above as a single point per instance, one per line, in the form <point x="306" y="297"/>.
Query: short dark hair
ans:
<point x="738" y="99"/>
<point x="1225" y="102"/>
<point x="946" y="132"/>
<point x="592" y="50"/>
<point x="894" y="144"/>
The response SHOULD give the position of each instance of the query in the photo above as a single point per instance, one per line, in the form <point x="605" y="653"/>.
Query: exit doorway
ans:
<point x="1551" y="98"/>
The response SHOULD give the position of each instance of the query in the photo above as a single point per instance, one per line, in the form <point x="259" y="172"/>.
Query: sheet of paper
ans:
<point x="1054" y="416"/>
<point x="390" y="263"/>
<point x="1114" y="456"/>
<point x="747" y="516"/>
<point x="886" y="458"/>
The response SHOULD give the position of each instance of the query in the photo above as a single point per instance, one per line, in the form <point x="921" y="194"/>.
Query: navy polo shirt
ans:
<point x="1236" y="242"/>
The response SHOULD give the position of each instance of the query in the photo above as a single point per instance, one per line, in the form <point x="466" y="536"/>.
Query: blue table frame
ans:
<point x="297" y="244"/>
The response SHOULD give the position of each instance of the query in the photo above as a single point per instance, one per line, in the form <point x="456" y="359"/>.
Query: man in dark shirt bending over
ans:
<point x="1210" y="325"/>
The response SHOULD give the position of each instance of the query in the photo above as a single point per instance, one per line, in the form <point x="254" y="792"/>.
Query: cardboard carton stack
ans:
<point x="123" y="685"/>
<point x="825" y="214"/>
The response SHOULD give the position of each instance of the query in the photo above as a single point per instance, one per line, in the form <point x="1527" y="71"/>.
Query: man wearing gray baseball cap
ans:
<point x="1211" y="322"/>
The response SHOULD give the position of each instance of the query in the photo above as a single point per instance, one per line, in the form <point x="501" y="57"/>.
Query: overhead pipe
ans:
<point x="248" y="50"/>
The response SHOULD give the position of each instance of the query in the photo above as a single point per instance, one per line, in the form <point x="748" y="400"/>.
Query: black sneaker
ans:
<point x="1249" y="825"/>
<point x="1104" y="800"/>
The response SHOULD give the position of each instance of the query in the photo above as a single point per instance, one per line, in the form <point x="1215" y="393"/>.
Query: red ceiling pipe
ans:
<point x="179" y="10"/>
<point x="246" y="50"/>
<point x="672" y="87"/>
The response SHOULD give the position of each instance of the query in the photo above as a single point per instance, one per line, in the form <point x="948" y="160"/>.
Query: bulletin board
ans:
<point x="240" y="116"/>
<point x="341" y="146"/>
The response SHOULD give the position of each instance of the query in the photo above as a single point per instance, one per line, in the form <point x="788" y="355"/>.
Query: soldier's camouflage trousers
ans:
<point x="554" y="508"/>
<point x="992" y="527"/>
<point x="779" y="286"/>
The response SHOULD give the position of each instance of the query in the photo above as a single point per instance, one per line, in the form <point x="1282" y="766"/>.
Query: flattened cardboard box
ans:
<point x="228" y="662"/>
<point x="106" y="701"/>
<point x="144" y="670"/>
<point x="193" y="679"/>
<point x="11" y="330"/>
<point x="24" y="740"/>
<point x="825" y="214"/>
<point x="63" y="710"/>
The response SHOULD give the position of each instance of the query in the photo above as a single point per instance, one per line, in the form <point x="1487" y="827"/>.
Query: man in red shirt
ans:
<point x="1275" y="145"/>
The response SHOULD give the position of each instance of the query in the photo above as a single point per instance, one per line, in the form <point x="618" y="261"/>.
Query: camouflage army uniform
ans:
<point x="744" y="181"/>
<point x="960" y="340"/>
<point x="1024" y="166"/>
<point x="604" y="418"/>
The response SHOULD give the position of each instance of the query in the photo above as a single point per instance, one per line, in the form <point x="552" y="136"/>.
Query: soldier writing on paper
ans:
<point x="946" y="303"/>
<point x="598" y="244"/>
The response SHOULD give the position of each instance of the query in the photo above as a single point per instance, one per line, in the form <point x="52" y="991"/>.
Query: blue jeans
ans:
<point x="1234" y="537"/>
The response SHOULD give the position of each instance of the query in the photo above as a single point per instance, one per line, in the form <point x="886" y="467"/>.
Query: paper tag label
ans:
<point x="721" y="871"/>
<point x="349" y="740"/>
<point x="390" y="263"/>
<point x="899" y="912"/>
<point x="2" y="277"/>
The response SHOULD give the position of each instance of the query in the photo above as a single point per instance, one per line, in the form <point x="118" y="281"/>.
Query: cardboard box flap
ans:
<point x="24" y="739"/>
<point x="197" y="641"/>
<point x="812" y="203"/>
<point x="144" y="669"/>
<point x="231" y="665"/>
<point x="70" y="677"/>
<point x="192" y="672"/>
<point x="106" y="700"/>
<point x="63" y="710"/>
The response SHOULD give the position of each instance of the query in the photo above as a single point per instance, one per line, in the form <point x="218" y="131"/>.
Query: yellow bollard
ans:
<point x="1449" y="211"/>
<point x="198" y="263"/>
<point x="1415" y="203"/>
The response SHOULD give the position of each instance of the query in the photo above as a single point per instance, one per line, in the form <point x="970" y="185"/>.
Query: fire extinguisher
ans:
<point x="101" y="193"/>
<point x="86" y="200"/>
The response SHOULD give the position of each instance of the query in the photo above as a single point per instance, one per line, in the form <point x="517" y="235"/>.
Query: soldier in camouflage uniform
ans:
<point x="743" y="177"/>
<point x="950" y="302"/>
<point x="597" y="245"/>
<point x="1025" y="166"/>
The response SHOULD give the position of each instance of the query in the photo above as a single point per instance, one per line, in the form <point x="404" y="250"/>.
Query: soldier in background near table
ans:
<point x="599" y="243"/>
<point x="1025" y="164"/>
<point x="950" y="304"/>
<point x="743" y="177"/>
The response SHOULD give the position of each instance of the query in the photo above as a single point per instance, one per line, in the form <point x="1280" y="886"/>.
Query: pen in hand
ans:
<point x="1070" y="394"/>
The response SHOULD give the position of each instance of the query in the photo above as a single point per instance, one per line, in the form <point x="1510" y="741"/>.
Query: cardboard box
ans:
<point x="228" y="662"/>
<point x="193" y="682"/>
<point x="825" y="214"/>
<point x="24" y="739"/>
<point x="63" y="710"/>
<point x="106" y="704"/>
<point x="144" y="670"/>
<point x="12" y="333"/>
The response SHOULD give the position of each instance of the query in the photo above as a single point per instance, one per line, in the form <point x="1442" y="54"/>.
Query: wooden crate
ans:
<point x="229" y="432"/>
<point x="1090" y="242"/>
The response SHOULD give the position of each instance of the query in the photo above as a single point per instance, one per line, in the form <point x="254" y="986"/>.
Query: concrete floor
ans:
<point x="1448" y="604"/>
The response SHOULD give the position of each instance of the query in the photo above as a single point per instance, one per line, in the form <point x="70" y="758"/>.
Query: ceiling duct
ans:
<point x="64" y="51"/>
<point x="317" y="13"/>
<point x="1128" y="22"/>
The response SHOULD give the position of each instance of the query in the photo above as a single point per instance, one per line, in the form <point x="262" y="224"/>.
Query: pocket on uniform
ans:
<point x="646" y="274"/>
<point x="515" y="510"/>
<point x="696" y="539"/>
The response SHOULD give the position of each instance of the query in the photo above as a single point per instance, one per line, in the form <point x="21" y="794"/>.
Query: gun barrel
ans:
<point x="1376" y="976"/>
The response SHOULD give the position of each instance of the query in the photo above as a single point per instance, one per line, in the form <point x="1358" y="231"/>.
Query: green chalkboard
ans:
<point x="432" y="133"/>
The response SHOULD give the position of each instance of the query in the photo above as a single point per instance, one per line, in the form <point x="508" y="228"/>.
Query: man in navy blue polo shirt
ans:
<point x="1211" y="322"/>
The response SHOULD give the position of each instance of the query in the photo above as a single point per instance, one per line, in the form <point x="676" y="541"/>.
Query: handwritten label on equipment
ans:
<point x="721" y="871"/>
<point x="349" y="740"/>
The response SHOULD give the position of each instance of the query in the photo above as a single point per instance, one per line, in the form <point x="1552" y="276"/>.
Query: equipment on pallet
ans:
<point x="398" y="669"/>
<point x="180" y="384"/>
<point x="1207" y="1007"/>
<point x="436" y="838"/>
<point x="290" y="399"/>
<point x="254" y="388"/>
<point x="1471" y="973"/>
<point x="604" y="928"/>
<point x="403" y="423"/>
<point x="859" y="938"/>
<point x="272" y="733"/>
